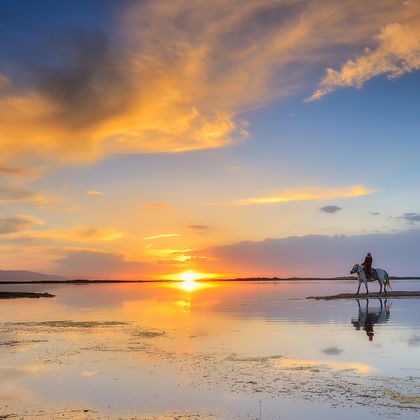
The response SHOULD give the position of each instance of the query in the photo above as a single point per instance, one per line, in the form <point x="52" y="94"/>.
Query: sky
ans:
<point x="142" y="139"/>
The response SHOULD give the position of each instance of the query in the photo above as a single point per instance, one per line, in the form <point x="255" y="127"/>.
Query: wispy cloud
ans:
<point x="17" y="193"/>
<point x="12" y="171"/>
<point x="162" y="235"/>
<point x="18" y="224"/>
<point x="199" y="227"/>
<point x="94" y="192"/>
<point x="77" y="234"/>
<point x="411" y="217"/>
<point x="397" y="52"/>
<point x="306" y="194"/>
<point x="9" y="193"/>
<point x="90" y="373"/>
<point x="95" y="234"/>
<point x="171" y="256"/>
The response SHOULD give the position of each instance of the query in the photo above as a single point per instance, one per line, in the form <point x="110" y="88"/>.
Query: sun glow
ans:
<point x="189" y="285"/>
<point x="189" y="276"/>
<point x="189" y="282"/>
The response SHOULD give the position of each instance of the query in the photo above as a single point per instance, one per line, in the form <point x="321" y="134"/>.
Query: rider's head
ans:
<point x="369" y="254"/>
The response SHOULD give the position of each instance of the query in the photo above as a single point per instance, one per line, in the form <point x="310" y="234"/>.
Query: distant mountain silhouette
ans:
<point x="22" y="275"/>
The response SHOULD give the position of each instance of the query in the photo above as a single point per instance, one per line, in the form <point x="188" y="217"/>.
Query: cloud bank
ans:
<point x="315" y="255"/>
<point x="101" y="265"/>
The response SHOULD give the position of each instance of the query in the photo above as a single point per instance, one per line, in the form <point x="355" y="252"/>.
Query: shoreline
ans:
<point x="245" y="279"/>
<point x="373" y="295"/>
<point x="16" y="295"/>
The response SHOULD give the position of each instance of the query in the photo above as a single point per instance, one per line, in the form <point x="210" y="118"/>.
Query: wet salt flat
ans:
<point x="209" y="350"/>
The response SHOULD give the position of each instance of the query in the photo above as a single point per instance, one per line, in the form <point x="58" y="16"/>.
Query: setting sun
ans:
<point x="190" y="276"/>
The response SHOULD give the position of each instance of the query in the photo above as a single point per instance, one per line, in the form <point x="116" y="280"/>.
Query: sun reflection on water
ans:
<point x="191" y="285"/>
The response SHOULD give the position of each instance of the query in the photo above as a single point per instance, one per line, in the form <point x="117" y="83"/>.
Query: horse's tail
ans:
<point x="387" y="280"/>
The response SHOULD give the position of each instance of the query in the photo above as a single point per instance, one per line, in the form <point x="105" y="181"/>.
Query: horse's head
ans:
<point x="355" y="269"/>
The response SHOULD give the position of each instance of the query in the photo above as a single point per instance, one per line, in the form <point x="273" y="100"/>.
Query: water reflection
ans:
<point x="191" y="285"/>
<point x="369" y="316"/>
<point x="151" y="349"/>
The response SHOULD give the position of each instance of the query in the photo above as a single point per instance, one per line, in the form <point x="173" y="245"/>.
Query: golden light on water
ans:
<point x="189" y="278"/>
<point x="189" y="285"/>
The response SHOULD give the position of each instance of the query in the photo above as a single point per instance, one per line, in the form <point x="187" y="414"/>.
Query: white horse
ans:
<point x="382" y="278"/>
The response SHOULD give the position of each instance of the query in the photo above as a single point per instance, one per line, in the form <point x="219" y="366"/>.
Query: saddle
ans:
<point x="372" y="273"/>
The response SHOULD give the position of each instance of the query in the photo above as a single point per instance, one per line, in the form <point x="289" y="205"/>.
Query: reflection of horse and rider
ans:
<point x="366" y="274"/>
<point x="368" y="317"/>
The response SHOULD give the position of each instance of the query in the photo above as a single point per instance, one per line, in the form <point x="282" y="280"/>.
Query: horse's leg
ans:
<point x="381" y="275"/>
<point x="358" y="304"/>
<point x="380" y="286"/>
<point x="367" y="291"/>
<point x="358" y="288"/>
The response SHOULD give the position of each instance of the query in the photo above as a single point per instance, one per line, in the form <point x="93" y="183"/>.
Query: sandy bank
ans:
<point x="392" y="294"/>
<point x="15" y="295"/>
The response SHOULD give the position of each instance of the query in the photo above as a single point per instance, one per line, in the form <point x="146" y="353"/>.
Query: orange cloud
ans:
<point x="88" y="263"/>
<point x="18" y="223"/>
<point x="174" y="88"/>
<point x="13" y="171"/>
<point x="172" y="255"/>
<point x="78" y="234"/>
<point x="308" y="194"/>
<point x="94" y="192"/>
<point x="397" y="52"/>
<point x="12" y="193"/>
<point x="162" y="235"/>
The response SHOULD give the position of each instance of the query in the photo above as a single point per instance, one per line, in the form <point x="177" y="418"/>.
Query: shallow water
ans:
<point x="209" y="350"/>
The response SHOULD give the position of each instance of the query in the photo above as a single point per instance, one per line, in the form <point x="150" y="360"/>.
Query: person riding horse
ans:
<point x="367" y="265"/>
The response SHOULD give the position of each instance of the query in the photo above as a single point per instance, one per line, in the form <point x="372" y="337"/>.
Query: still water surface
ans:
<point x="209" y="350"/>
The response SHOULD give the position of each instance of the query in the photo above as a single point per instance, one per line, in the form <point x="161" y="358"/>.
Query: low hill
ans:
<point x="22" y="275"/>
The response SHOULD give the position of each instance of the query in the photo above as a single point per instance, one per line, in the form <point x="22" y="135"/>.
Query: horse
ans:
<point x="368" y="317"/>
<point x="382" y="278"/>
